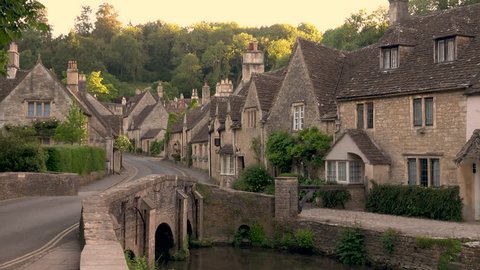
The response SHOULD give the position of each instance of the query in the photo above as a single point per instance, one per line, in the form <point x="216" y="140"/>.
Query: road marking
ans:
<point x="52" y="243"/>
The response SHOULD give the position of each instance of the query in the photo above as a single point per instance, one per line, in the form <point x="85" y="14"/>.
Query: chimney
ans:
<point x="194" y="94"/>
<point x="224" y="88"/>
<point x="205" y="94"/>
<point x="137" y="91"/>
<point x="160" y="90"/>
<point x="82" y="82"/>
<point x="252" y="62"/>
<point x="124" y="101"/>
<point x="72" y="76"/>
<point x="13" y="61"/>
<point x="398" y="11"/>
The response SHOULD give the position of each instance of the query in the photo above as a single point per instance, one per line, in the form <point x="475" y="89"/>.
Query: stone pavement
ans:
<point x="405" y="225"/>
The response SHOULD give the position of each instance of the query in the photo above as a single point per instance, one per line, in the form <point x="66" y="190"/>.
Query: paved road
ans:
<point x="28" y="224"/>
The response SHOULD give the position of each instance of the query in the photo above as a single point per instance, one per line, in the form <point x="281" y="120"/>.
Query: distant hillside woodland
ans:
<point x="118" y="58"/>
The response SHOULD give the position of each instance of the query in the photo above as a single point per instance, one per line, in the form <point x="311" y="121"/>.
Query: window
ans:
<point x="251" y="118"/>
<point x="390" y="57"/>
<point x="226" y="165"/>
<point x="423" y="112"/>
<point x="365" y="111"/>
<point x="423" y="171"/>
<point x="298" y="117"/>
<point x="345" y="171"/>
<point x="38" y="109"/>
<point x="445" y="49"/>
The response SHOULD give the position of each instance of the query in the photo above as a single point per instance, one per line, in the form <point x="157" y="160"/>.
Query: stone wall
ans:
<point x="399" y="139"/>
<point x="225" y="210"/>
<point x="407" y="254"/>
<point x="22" y="184"/>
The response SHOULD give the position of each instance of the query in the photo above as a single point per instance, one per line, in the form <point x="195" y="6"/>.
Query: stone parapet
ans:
<point x="286" y="197"/>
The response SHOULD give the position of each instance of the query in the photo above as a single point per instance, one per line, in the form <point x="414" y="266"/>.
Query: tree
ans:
<point x="187" y="75"/>
<point x="421" y="7"/>
<point x="107" y="23"/>
<point x="74" y="129"/>
<point x="17" y="16"/>
<point x="279" y="52"/>
<point x="96" y="87"/>
<point x="277" y="153"/>
<point x="83" y="25"/>
<point x="359" y="30"/>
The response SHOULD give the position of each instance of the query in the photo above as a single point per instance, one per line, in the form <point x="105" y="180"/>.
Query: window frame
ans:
<point x="298" y="113"/>
<point x="251" y="117"/>
<point x="423" y="112"/>
<point x="333" y="171"/>
<point x="227" y="166"/>
<point x="445" y="49"/>
<point x="39" y="108"/>
<point x="427" y="171"/>
<point x="365" y="115"/>
<point x="391" y="53"/>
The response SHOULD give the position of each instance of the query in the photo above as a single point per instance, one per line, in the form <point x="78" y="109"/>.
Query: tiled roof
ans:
<point x="267" y="86"/>
<point x="221" y="103"/>
<point x="227" y="149"/>
<point x="471" y="150"/>
<point x="7" y="85"/>
<point x="140" y="118"/>
<point x="193" y="117"/>
<point x="151" y="133"/>
<point x="325" y="67"/>
<point x="417" y="71"/>
<point x="236" y="105"/>
<point x="112" y="123"/>
<point x="202" y="134"/>
<point x="133" y="101"/>
<point x="371" y="151"/>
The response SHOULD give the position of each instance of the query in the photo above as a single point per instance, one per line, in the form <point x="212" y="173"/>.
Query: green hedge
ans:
<point x="442" y="203"/>
<point x="75" y="159"/>
<point x="16" y="157"/>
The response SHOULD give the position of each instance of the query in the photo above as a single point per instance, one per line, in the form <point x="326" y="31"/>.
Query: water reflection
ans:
<point x="221" y="258"/>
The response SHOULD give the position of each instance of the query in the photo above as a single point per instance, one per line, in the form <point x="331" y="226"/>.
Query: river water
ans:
<point x="229" y="258"/>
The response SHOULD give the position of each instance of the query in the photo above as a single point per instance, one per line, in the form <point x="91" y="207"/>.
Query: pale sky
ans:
<point x="321" y="13"/>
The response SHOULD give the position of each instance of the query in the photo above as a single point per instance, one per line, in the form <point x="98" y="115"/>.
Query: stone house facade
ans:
<point x="413" y="98"/>
<point x="37" y="95"/>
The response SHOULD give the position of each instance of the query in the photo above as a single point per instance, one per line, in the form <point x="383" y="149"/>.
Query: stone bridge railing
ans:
<point x="109" y="222"/>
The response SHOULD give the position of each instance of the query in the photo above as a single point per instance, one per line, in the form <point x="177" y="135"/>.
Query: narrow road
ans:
<point x="33" y="226"/>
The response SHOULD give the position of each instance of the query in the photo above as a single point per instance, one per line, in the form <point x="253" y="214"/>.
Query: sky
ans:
<point x="321" y="13"/>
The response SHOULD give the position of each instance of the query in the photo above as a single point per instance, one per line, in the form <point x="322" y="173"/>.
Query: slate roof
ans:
<point x="236" y="105"/>
<point x="133" y="101"/>
<point x="112" y="123"/>
<point x="417" y="73"/>
<point x="267" y="86"/>
<point x="324" y="66"/>
<point x="227" y="149"/>
<point x="202" y="134"/>
<point x="140" y="118"/>
<point x="151" y="133"/>
<point x="471" y="150"/>
<point x="7" y="85"/>
<point x="371" y="151"/>
<point x="221" y="103"/>
<point x="193" y="117"/>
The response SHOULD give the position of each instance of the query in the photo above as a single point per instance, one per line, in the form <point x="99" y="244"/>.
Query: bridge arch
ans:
<point x="163" y="242"/>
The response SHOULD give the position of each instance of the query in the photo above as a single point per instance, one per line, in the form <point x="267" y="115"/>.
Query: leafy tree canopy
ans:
<point x="74" y="129"/>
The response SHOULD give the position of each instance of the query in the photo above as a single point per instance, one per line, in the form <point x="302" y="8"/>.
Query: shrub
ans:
<point x="257" y="234"/>
<point x="335" y="198"/>
<point x="75" y="159"/>
<point x="28" y="157"/>
<point x="305" y="241"/>
<point x="156" y="148"/>
<point x="256" y="179"/>
<point x="351" y="247"/>
<point x="452" y="249"/>
<point x="442" y="203"/>
<point x="387" y="239"/>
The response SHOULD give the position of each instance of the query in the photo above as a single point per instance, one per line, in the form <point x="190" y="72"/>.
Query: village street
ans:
<point x="42" y="232"/>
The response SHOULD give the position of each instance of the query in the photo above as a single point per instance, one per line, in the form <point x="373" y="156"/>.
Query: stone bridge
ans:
<point x="146" y="217"/>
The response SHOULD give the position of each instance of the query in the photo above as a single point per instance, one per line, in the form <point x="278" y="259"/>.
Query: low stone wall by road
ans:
<point x="16" y="184"/>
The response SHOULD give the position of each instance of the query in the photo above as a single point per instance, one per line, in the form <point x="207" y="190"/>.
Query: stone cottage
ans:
<point x="37" y="95"/>
<point x="407" y="105"/>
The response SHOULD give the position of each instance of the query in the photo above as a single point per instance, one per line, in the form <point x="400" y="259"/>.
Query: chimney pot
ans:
<point x="13" y="61"/>
<point x="72" y="76"/>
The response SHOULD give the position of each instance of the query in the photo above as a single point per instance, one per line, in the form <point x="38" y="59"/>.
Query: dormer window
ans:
<point x="390" y="57"/>
<point x="445" y="49"/>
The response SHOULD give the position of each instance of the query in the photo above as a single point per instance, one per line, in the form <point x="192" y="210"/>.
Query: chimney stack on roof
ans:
<point x="398" y="11"/>
<point x="137" y="91"/>
<point x="160" y="90"/>
<point x="205" y="94"/>
<point x="194" y="94"/>
<point x="82" y="82"/>
<point x="224" y="88"/>
<point x="72" y="76"/>
<point x="252" y="62"/>
<point x="13" y="61"/>
<point x="124" y="101"/>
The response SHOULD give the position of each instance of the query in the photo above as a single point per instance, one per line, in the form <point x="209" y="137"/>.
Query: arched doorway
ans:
<point x="163" y="242"/>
